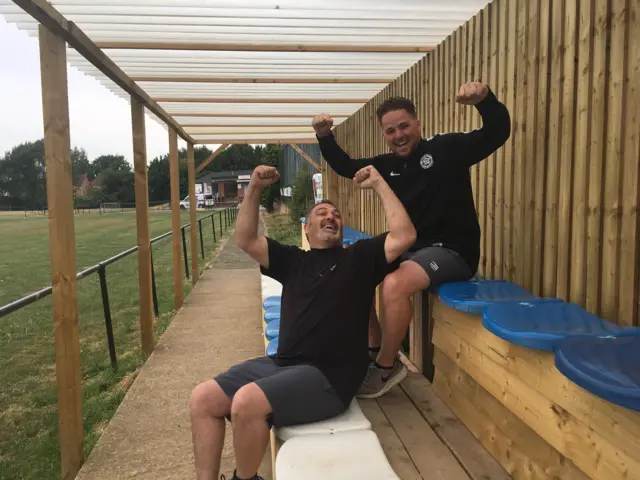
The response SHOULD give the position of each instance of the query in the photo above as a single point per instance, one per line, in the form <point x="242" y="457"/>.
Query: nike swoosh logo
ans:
<point x="394" y="174"/>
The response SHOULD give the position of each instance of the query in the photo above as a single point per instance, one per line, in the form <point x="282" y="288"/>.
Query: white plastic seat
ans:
<point x="270" y="287"/>
<point x="343" y="456"/>
<point x="352" y="419"/>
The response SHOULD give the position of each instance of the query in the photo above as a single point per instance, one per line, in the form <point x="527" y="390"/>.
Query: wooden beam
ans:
<point x="262" y="47"/>
<point x="168" y="79"/>
<point x="195" y="271"/>
<point x="276" y="141"/>
<point x="55" y="110"/>
<point x="257" y="100"/>
<point x="176" y="234"/>
<point x="275" y="131"/>
<point x="305" y="156"/>
<point x="243" y="125"/>
<point x="252" y="115"/>
<point x="142" y="224"/>
<point x="48" y="16"/>
<point x="213" y="155"/>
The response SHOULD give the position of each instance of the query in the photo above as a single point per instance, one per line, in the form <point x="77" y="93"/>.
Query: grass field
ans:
<point x="280" y="227"/>
<point x="28" y="410"/>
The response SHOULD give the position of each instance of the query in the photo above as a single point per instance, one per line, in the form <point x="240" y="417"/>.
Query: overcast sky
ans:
<point x="100" y="120"/>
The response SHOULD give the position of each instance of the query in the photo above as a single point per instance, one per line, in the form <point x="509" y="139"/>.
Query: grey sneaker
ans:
<point x="378" y="382"/>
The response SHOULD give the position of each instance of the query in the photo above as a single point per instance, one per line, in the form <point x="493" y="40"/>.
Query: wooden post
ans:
<point x="142" y="225"/>
<point x="178" y="296"/>
<point x="55" y="110"/>
<point x="191" y="169"/>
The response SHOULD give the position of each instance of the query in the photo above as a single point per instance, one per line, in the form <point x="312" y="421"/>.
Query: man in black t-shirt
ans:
<point x="322" y="355"/>
<point x="431" y="178"/>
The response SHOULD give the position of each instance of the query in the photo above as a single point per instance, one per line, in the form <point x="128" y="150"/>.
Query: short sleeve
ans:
<point x="372" y="255"/>
<point x="281" y="259"/>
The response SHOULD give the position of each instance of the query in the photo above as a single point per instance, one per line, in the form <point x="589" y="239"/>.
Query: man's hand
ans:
<point x="263" y="176"/>
<point x="367" y="177"/>
<point x="472" y="93"/>
<point x="322" y="124"/>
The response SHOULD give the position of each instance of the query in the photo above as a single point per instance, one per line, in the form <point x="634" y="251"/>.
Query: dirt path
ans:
<point x="149" y="437"/>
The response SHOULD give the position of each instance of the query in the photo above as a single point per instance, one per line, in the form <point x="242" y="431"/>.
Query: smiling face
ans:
<point x="324" y="226"/>
<point x="401" y="131"/>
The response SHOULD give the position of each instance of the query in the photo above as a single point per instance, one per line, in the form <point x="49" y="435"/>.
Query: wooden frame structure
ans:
<point x="221" y="65"/>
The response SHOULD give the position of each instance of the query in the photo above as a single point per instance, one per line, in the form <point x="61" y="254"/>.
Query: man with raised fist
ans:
<point x="431" y="178"/>
<point x="322" y="344"/>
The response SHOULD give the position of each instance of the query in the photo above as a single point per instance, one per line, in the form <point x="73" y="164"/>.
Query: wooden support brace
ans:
<point x="304" y="155"/>
<point x="176" y="237"/>
<point x="55" y="109"/>
<point x="142" y="225"/>
<point x="213" y="155"/>
<point x="192" y="214"/>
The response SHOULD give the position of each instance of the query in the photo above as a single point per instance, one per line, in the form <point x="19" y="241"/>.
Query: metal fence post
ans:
<point x="184" y="253"/>
<point x="153" y="287"/>
<point x="220" y="224"/>
<point x="213" y="227"/>
<point x="201" y="238"/>
<point x="102" y="274"/>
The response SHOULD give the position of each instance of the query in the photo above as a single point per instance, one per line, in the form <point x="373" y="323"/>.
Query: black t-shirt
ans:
<point x="326" y="300"/>
<point x="434" y="183"/>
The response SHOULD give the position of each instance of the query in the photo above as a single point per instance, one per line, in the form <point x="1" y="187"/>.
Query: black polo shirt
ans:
<point x="326" y="300"/>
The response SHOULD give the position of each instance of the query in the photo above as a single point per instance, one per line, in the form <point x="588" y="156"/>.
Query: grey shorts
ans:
<point x="441" y="264"/>
<point x="298" y="393"/>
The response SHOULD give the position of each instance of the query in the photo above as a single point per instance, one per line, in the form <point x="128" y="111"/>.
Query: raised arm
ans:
<point x="247" y="237"/>
<point x="473" y="147"/>
<point x="337" y="158"/>
<point x="402" y="233"/>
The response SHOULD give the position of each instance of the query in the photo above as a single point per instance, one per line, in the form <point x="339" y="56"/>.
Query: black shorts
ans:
<point x="441" y="264"/>
<point x="297" y="393"/>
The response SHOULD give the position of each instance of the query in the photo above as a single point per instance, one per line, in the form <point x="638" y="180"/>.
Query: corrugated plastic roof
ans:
<point x="256" y="70"/>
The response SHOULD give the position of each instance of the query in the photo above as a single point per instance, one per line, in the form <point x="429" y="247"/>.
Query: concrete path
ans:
<point x="219" y="325"/>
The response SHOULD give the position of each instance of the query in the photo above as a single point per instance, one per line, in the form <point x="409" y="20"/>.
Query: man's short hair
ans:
<point x="324" y="201"/>
<point x="396" y="103"/>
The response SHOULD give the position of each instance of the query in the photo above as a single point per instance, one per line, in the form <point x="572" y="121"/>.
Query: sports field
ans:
<point x="28" y="411"/>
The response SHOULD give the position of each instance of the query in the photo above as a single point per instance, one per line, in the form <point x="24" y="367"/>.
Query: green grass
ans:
<point x="29" y="446"/>
<point x="280" y="227"/>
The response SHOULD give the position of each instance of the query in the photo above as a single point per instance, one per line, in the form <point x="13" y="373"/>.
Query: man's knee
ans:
<point x="405" y="281"/>
<point x="209" y="399"/>
<point x="250" y="402"/>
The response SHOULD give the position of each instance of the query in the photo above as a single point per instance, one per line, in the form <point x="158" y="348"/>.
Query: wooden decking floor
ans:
<point x="422" y="439"/>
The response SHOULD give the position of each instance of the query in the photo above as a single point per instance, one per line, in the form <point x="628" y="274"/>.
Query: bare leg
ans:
<point x="375" y="333"/>
<point x="397" y="289"/>
<point x="208" y="406"/>
<point x="249" y="412"/>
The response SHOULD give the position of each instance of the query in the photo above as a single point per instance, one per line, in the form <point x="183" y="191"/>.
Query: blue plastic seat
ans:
<point x="271" y="314"/>
<point x="273" y="329"/>
<point x="542" y="325"/>
<point x="272" y="301"/>
<point x="474" y="297"/>
<point x="606" y="367"/>
<point x="272" y="347"/>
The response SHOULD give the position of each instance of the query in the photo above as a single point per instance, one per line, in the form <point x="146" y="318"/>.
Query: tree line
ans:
<point x="110" y="178"/>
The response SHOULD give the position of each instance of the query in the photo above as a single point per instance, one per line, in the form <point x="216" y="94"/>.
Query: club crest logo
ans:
<point x="426" y="161"/>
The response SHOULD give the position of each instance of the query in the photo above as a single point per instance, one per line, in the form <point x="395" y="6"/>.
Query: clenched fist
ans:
<point x="263" y="176"/>
<point x="322" y="124"/>
<point x="472" y="93"/>
<point x="367" y="177"/>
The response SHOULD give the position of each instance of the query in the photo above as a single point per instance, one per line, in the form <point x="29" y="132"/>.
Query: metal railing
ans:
<point x="227" y="216"/>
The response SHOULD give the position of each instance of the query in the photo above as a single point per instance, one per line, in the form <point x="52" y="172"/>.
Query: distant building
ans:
<point x="224" y="186"/>
<point x="85" y="187"/>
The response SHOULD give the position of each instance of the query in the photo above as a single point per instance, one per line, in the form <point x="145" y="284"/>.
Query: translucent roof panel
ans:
<point x="256" y="70"/>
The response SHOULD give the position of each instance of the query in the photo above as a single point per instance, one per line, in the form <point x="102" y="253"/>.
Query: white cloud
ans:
<point x="100" y="120"/>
